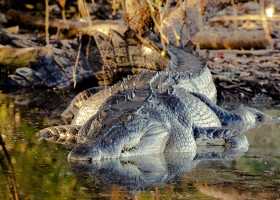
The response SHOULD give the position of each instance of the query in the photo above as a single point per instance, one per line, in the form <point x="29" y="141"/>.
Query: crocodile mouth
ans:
<point x="153" y="141"/>
<point x="124" y="149"/>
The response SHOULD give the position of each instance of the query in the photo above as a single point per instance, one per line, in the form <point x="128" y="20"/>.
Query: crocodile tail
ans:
<point x="65" y="134"/>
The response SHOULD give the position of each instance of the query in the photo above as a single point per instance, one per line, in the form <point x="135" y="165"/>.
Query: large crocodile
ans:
<point x="170" y="111"/>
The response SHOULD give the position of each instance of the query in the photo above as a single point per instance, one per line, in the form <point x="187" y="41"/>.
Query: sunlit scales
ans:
<point x="147" y="50"/>
<point x="269" y="11"/>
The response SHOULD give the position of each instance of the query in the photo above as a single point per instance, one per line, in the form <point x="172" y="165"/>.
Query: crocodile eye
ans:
<point x="129" y="117"/>
<point x="125" y="118"/>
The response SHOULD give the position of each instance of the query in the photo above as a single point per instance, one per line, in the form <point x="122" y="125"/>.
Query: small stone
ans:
<point x="277" y="46"/>
<point x="277" y="76"/>
<point x="3" y="19"/>
<point x="217" y="60"/>
<point x="243" y="74"/>
<point x="13" y="29"/>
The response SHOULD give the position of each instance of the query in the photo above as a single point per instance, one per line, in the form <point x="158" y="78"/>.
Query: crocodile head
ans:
<point x="129" y="128"/>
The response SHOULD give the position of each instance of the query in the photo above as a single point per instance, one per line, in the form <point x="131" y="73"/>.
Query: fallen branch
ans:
<point x="222" y="38"/>
<point x="35" y="22"/>
<point x="244" y="52"/>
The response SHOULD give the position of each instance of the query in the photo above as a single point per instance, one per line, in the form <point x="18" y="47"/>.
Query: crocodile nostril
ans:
<point x="89" y="160"/>
<point x="85" y="152"/>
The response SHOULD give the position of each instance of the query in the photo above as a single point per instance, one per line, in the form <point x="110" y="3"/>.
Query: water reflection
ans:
<point x="143" y="172"/>
<point x="33" y="169"/>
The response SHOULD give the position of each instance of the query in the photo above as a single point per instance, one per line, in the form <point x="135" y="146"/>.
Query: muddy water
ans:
<point x="32" y="169"/>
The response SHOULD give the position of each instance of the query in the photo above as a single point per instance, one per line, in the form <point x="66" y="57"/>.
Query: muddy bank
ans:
<point x="240" y="75"/>
<point x="248" y="76"/>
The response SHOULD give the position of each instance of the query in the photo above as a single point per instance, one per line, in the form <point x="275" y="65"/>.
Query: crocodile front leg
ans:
<point x="224" y="116"/>
<point x="242" y="119"/>
<point x="181" y="139"/>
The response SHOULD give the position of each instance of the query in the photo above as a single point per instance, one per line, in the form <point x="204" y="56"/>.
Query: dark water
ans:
<point x="32" y="169"/>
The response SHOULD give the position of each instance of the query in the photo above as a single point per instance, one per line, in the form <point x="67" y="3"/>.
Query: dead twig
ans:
<point x="247" y="17"/>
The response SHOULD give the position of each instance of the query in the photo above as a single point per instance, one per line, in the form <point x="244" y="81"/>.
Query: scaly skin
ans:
<point x="66" y="134"/>
<point x="180" y="68"/>
<point x="152" y="124"/>
<point x="169" y="111"/>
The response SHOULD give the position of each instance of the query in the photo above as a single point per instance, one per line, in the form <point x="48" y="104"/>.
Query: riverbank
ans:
<point x="246" y="75"/>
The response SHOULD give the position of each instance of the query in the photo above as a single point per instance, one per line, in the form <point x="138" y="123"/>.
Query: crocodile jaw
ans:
<point x="152" y="140"/>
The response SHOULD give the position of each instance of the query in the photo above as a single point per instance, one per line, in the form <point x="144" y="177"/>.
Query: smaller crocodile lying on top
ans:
<point x="170" y="111"/>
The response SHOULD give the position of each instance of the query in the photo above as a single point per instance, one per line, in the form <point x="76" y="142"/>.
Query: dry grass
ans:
<point x="47" y="27"/>
<point x="155" y="11"/>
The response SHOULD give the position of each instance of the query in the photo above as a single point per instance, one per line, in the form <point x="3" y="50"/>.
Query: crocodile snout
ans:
<point x="86" y="152"/>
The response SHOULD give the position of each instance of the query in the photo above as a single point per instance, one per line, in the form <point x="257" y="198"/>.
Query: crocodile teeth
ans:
<point x="132" y="95"/>
<point x="129" y="149"/>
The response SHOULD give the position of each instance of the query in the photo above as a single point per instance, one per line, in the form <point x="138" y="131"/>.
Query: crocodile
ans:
<point x="173" y="110"/>
<point x="176" y="68"/>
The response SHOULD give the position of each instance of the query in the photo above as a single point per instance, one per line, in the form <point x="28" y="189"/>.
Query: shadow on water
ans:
<point x="32" y="169"/>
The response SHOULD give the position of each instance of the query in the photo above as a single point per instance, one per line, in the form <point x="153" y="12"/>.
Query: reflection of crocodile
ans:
<point x="171" y="111"/>
<point x="142" y="172"/>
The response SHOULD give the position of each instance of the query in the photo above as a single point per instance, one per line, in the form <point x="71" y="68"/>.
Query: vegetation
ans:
<point x="32" y="169"/>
